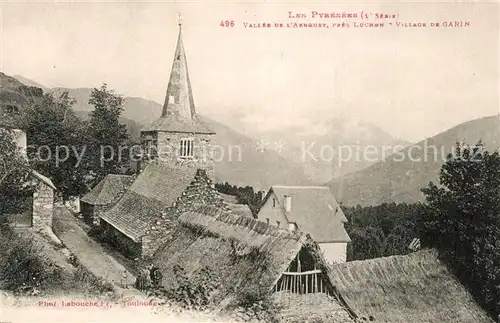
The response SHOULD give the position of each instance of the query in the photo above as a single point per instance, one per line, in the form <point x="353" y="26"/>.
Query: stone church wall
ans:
<point x="200" y="191"/>
<point x="168" y="149"/>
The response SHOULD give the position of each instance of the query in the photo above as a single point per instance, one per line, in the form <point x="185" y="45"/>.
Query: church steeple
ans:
<point x="179" y="98"/>
<point x="179" y="137"/>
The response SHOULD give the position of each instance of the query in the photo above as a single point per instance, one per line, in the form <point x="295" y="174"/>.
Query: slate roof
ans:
<point x="176" y="123"/>
<point x="107" y="191"/>
<point x="157" y="187"/>
<point x="314" y="210"/>
<point x="179" y="112"/>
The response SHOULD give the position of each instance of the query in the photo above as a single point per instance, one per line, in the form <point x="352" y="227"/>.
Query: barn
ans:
<point x="249" y="258"/>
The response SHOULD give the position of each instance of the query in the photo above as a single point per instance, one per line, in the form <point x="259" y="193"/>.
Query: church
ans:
<point x="174" y="174"/>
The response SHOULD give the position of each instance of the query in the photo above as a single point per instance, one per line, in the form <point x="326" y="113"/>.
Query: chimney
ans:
<point x="288" y="203"/>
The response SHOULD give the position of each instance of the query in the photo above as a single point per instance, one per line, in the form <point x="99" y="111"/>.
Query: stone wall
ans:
<point x="200" y="191"/>
<point x="124" y="244"/>
<point x="168" y="149"/>
<point x="87" y="212"/>
<point x="43" y="205"/>
<point x="91" y="213"/>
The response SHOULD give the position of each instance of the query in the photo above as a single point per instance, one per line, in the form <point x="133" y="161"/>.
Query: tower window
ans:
<point x="274" y="202"/>
<point x="187" y="148"/>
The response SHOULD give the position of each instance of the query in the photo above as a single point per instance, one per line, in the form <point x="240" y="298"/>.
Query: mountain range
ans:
<point x="400" y="176"/>
<point x="247" y="164"/>
<point x="280" y="156"/>
<point x="326" y="149"/>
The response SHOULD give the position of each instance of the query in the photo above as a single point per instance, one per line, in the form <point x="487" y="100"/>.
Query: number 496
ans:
<point x="227" y="23"/>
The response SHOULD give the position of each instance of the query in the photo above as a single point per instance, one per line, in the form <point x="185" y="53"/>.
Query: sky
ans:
<point x="411" y="82"/>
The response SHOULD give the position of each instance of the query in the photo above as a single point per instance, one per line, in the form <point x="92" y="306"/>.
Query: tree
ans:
<point x="14" y="175"/>
<point x="106" y="133"/>
<point x="461" y="219"/>
<point x="56" y="140"/>
<point x="382" y="230"/>
<point x="365" y="243"/>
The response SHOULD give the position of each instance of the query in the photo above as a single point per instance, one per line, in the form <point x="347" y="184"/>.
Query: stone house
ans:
<point x="38" y="207"/>
<point x="310" y="209"/>
<point x="139" y="221"/>
<point x="103" y="196"/>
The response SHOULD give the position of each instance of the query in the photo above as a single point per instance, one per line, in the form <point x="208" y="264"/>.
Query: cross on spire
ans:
<point x="179" y="19"/>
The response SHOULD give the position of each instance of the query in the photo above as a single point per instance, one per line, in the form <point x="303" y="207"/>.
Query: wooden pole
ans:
<point x="321" y="283"/>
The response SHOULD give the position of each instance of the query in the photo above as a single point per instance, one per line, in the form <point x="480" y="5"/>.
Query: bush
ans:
<point x="21" y="267"/>
<point x="90" y="283"/>
<point x="194" y="293"/>
<point x="23" y="270"/>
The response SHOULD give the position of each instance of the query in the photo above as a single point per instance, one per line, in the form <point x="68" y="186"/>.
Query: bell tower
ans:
<point x="179" y="137"/>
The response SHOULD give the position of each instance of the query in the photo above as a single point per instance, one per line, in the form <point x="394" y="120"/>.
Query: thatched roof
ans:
<point x="108" y="189"/>
<point x="157" y="187"/>
<point x="245" y="254"/>
<point x="240" y="209"/>
<point x="314" y="210"/>
<point x="416" y="288"/>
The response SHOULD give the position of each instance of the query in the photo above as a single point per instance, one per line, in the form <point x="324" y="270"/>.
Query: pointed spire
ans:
<point x="179" y="98"/>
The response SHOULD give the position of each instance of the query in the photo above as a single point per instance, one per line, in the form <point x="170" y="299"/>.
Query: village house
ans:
<point x="139" y="221"/>
<point x="103" y="196"/>
<point x="176" y="171"/>
<point x="37" y="209"/>
<point x="246" y="258"/>
<point x="310" y="209"/>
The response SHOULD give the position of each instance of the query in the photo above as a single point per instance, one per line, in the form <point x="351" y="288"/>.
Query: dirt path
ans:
<point x="90" y="253"/>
